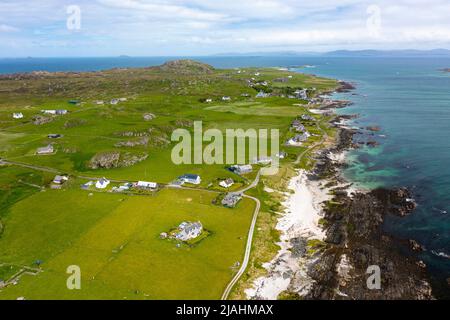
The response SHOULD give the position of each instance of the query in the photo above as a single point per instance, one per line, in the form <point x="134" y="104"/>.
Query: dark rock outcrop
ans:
<point x="354" y="230"/>
<point x="345" y="87"/>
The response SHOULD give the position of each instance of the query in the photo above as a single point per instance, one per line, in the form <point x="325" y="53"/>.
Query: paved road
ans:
<point x="248" y="249"/>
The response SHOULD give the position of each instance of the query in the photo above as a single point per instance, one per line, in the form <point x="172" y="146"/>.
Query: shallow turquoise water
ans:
<point x="408" y="97"/>
<point x="410" y="100"/>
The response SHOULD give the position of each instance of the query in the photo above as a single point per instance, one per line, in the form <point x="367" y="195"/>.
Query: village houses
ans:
<point x="298" y="139"/>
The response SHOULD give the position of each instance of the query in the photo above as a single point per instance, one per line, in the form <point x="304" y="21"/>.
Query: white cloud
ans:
<point x="6" y="28"/>
<point x="142" y="27"/>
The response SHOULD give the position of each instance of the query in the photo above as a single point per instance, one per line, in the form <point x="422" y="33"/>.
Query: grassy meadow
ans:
<point x="113" y="237"/>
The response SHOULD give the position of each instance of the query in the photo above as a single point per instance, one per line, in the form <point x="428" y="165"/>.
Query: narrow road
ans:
<point x="248" y="249"/>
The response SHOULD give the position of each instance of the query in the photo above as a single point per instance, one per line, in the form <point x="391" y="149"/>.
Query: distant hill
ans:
<point x="186" y="66"/>
<point x="348" y="53"/>
<point x="390" y="53"/>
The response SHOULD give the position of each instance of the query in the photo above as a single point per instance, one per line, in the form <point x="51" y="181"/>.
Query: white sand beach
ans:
<point x="299" y="220"/>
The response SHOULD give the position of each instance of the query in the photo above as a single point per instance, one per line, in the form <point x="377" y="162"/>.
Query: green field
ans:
<point x="115" y="241"/>
<point x="114" y="238"/>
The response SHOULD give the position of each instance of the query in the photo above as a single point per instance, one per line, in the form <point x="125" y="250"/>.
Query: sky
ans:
<point x="60" y="28"/>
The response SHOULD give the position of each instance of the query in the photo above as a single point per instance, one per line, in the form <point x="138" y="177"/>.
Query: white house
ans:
<point x="189" y="230"/>
<point x="18" y="115"/>
<point x="208" y="100"/>
<point x="190" y="178"/>
<point x="226" y="98"/>
<point x="114" y="101"/>
<point x="99" y="102"/>
<point x="60" y="179"/>
<point x="122" y="99"/>
<point x="53" y="112"/>
<point x="301" y="94"/>
<point x="45" y="150"/>
<point x="262" y="94"/>
<point x="281" y="155"/>
<point x="307" y="117"/>
<point x="146" y="185"/>
<point x="242" y="169"/>
<point x="125" y="187"/>
<point x="231" y="199"/>
<point x="226" y="183"/>
<point x="102" y="183"/>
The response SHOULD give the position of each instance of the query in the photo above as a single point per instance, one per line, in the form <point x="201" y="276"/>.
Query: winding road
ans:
<point x="248" y="248"/>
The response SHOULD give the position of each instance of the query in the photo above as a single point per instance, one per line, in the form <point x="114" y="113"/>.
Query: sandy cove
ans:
<point x="298" y="223"/>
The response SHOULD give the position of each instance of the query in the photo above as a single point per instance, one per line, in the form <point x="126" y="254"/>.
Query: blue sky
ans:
<point x="200" y="27"/>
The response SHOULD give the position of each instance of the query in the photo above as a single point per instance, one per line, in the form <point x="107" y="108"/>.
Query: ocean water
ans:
<point x="409" y="98"/>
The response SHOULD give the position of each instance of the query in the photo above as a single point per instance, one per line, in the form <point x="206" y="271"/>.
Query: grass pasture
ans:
<point x="115" y="241"/>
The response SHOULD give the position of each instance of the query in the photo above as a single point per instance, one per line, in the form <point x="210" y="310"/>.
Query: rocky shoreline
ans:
<point x="331" y="233"/>
<point x="355" y="240"/>
<point x="353" y="221"/>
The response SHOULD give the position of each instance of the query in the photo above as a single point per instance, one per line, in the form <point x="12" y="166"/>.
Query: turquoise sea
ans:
<point x="409" y="98"/>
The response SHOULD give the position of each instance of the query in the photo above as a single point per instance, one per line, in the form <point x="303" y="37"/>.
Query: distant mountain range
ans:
<point x="350" y="53"/>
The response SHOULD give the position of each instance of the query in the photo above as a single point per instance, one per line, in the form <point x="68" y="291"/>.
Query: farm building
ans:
<point x="45" y="150"/>
<point x="17" y="115"/>
<point x="146" y="185"/>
